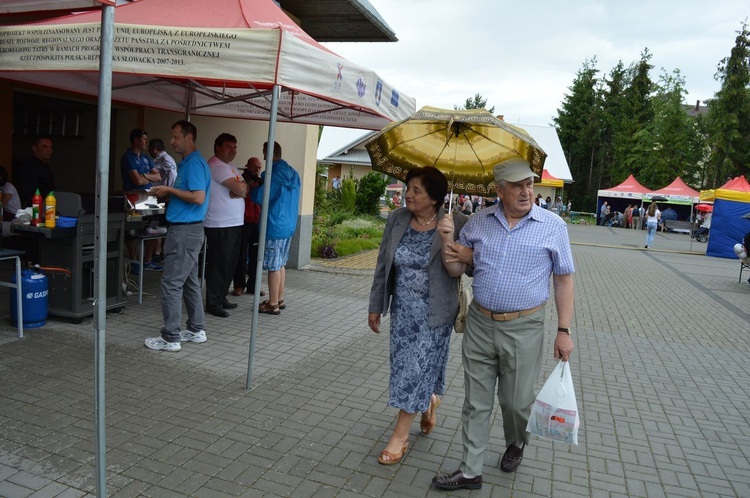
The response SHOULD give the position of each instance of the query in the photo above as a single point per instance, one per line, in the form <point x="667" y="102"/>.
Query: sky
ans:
<point x="523" y="56"/>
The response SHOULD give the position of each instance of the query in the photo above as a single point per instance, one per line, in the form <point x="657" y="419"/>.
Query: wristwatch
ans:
<point x="564" y="329"/>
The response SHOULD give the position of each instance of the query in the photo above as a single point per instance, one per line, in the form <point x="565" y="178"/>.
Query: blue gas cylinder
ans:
<point x="34" y="290"/>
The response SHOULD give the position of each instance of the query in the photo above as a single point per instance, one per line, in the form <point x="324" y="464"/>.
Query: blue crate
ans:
<point x="66" y="222"/>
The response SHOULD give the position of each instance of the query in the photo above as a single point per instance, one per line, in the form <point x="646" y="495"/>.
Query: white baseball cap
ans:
<point x="513" y="170"/>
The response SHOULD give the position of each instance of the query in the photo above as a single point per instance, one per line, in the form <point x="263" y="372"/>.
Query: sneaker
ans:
<point x="188" y="336"/>
<point x="153" y="266"/>
<point x="160" y="344"/>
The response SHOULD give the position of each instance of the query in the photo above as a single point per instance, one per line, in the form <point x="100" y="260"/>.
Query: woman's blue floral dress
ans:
<point x="419" y="354"/>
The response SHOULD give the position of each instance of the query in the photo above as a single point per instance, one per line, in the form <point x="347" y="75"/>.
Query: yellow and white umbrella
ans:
<point x="464" y="144"/>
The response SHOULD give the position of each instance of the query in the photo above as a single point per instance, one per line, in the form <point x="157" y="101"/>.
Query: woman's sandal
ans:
<point x="392" y="458"/>
<point x="282" y="305"/>
<point x="266" y="307"/>
<point x="429" y="419"/>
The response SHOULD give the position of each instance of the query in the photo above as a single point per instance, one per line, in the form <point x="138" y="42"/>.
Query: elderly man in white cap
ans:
<point x="512" y="248"/>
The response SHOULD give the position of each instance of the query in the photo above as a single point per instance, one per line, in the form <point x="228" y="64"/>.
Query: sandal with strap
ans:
<point x="429" y="419"/>
<point x="282" y="305"/>
<point x="271" y="309"/>
<point x="392" y="458"/>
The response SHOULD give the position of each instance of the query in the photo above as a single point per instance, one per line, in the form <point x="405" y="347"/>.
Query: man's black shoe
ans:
<point x="512" y="458"/>
<point x="456" y="480"/>
<point x="228" y="306"/>
<point x="217" y="312"/>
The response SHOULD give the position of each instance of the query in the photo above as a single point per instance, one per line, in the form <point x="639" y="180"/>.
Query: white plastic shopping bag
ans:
<point x="554" y="414"/>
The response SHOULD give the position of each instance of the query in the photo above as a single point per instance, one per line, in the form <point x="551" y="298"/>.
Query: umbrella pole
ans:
<point x="453" y="181"/>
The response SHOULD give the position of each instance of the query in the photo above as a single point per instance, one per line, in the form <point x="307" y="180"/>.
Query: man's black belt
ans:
<point x="169" y="223"/>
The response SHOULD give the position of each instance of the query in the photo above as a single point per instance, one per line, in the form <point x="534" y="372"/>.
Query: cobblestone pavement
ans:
<point x="660" y="368"/>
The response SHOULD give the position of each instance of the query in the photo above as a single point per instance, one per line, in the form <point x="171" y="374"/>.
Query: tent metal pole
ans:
<point x="189" y="101"/>
<point x="692" y="232"/>
<point x="104" y="115"/>
<point x="262" y="235"/>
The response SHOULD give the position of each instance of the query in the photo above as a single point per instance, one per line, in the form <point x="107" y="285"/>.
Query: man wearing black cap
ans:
<point x="512" y="249"/>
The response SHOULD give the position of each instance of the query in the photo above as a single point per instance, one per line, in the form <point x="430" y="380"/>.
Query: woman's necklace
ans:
<point x="425" y="224"/>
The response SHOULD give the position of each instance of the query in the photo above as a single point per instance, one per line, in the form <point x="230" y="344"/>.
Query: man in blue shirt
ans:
<point x="136" y="167"/>
<point x="512" y="248"/>
<point x="138" y="172"/>
<point x="185" y="212"/>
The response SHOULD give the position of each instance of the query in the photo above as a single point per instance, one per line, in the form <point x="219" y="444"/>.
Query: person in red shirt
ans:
<point x="248" y="266"/>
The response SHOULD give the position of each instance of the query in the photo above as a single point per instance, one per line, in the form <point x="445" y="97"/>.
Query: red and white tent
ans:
<point x="629" y="189"/>
<point x="225" y="58"/>
<point x="46" y="6"/>
<point x="677" y="192"/>
<point x="218" y="58"/>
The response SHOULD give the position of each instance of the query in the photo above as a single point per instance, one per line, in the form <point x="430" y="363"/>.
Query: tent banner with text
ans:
<point x="177" y="52"/>
<point x="233" y="66"/>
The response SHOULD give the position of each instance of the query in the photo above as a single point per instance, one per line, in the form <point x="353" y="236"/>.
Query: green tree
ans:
<point x="670" y="141"/>
<point x="476" y="102"/>
<point x="578" y="125"/>
<point x="321" y="202"/>
<point x="612" y="95"/>
<point x="631" y="140"/>
<point x="729" y="114"/>
<point x="369" y="190"/>
<point x="348" y="195"/>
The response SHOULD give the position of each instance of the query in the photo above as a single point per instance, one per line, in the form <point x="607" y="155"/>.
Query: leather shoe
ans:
<point x="512" y="458"/>
<point x="228" y="306"/>
<point x="217" y="312"/>
<point x="456" y="480"/>
<point x="237" y="291"/>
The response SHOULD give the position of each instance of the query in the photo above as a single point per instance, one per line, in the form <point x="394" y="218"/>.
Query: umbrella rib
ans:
<point x="438" y="156"/>
<point x="412" y="139"/>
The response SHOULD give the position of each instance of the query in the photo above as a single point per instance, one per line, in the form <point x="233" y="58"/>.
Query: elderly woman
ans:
<point x="410" y="276"/>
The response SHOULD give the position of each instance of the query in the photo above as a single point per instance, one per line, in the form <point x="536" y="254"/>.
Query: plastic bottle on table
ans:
<point x="36" y="208"/>
<point x="50" y="204"/>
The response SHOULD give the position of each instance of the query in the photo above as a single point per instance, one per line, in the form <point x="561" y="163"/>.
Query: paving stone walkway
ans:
<point x="660" y="368"/>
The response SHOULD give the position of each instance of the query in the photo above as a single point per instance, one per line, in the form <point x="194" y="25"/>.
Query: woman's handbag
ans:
<point x="554" y="414"/>
<point x="465" y="297"/>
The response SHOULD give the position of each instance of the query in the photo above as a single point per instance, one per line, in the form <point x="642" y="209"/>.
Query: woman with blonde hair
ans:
<point x="652" y="221"/>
